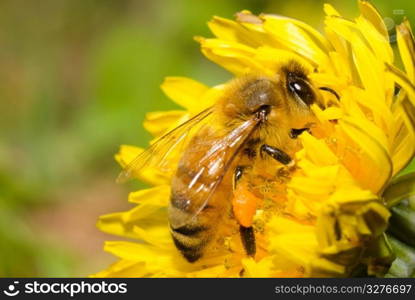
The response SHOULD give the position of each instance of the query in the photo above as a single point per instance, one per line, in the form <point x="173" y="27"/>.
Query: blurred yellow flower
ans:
<point x="333" y="213"/>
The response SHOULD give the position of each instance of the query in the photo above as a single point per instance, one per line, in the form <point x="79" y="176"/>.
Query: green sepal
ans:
<point x="378" y="256"/>
<point x="404" y="264"/>
<point x="402" y="222"/>
<point x="402" y="187"/>
<point x="399" y="196"/>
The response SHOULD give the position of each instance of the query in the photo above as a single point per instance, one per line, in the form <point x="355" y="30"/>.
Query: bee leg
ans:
<point x="247" y="233"/>
<point x="248" y="239"/>
<point x="276" y="154"/>
<point x="294" y="133"/>
<point x="237" y="175"/>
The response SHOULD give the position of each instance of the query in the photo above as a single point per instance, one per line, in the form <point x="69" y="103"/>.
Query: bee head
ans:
<point x="288" y="94"/>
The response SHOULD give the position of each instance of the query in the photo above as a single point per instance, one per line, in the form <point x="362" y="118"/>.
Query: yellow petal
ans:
<point x="322" y="267"/>
<point x="123" y="269"/>
<point x="406" y="44"/>
<point x="311" y="32"/>
<point x="403" y="149"/>
<point x="160" y="122"/>
<point x="374" y="131"/>
<point x="317" y="151"/>
<point x="229" y="30"/>
<point x="147" y="221"/>
<point x="370" y="13"/>
<point x="288" y="35"/>
<point x="155" y="196"/>
<point x="236" y="58"/>
<point x="370" y="71"/>
<point x="152" y="256"/>
<point x="378" y="42"/>
<point x="247" y="18"/>
<point x="112" y="224"/>
<point x="364" y="157"/>
<point x="185" y="92"/>
<point x="149" y="175"/>
<point x="272" y="58"/>
<point x="330" y="113"/>
<point x="329" y="10"/>
<point x="403" y="81"/>
<point x="261" y="269"/>
<point x="299" y="248"/>
<point x="156" y="235"/>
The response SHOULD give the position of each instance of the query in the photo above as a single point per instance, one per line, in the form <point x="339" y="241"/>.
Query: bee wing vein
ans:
<point x="156" y="154"/>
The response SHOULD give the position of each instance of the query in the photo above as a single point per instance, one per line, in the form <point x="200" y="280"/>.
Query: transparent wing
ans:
<point x="157" y="153"/>
<point x="206" y="162"/>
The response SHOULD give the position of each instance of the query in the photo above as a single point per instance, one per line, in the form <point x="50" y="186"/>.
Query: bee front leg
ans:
<point x="294" y="133"/>
<point x="243" y="205"/>
<point x="276" y="154"/>
<point x="237" y="175"/>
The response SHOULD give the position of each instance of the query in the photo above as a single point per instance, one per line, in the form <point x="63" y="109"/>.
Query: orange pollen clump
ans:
<point x="244" y="205"/>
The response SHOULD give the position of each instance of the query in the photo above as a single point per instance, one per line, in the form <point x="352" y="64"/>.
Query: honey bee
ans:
<point x="256" y="120"/>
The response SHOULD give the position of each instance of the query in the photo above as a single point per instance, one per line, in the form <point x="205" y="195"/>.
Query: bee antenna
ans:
<point x="327" y="89"/>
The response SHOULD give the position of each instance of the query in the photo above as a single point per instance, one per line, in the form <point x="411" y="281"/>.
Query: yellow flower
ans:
<point x="331" y="218"/>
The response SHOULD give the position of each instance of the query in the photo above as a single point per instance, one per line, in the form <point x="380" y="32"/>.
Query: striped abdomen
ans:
<point x="192" y="218"/>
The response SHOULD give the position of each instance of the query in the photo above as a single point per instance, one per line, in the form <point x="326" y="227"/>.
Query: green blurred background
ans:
<point x="76" y="78"/>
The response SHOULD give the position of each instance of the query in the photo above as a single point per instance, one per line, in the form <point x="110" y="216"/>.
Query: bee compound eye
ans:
<point x="301" y="90"/>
